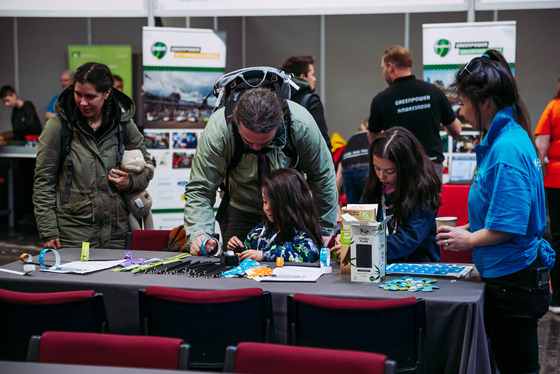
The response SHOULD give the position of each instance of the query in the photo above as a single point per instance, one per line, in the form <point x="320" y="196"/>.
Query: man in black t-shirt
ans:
<point x="24" y="122"/>
<point x="413" y="104"/>
<point x="24" y="117"/>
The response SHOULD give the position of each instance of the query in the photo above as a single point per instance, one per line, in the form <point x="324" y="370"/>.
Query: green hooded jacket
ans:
<point x="96" y="212"/>
<point x="214" y="151"/>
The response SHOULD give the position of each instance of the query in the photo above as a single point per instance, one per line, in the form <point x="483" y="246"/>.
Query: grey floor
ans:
<point x="25" y="239"/>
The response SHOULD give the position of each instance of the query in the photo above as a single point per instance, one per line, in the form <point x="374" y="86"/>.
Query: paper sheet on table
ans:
<point x="293" y="274"/>
<point x="84" y="267"/>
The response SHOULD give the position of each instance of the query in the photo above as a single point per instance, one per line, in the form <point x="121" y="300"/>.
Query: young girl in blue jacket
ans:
<point x="290" y="227"/>
<point x="404" y="183"/>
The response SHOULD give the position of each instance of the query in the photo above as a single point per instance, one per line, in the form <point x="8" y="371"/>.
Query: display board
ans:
<point x="117" y="57"/>
<point x="446" y="48"/>
<point x="180" y="69"/>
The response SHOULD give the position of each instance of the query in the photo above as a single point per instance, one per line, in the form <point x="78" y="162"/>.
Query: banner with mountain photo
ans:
<point x="447" y="47"/>
<point x="180" y="68"/>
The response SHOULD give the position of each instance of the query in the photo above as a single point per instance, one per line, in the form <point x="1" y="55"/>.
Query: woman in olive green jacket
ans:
<point x="85" y="204"/>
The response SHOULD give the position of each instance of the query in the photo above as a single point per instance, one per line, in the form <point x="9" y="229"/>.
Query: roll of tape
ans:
<point x="29" y="268"/>
<point x="203" y="244"/>
<point x="26" y="257"/>
<point x="56" y="259"/>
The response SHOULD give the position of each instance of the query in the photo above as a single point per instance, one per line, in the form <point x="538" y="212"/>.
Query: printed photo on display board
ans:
<point x="182" y="160"/>
<point x="185" y="139"/>
<point x="157" y="140"/>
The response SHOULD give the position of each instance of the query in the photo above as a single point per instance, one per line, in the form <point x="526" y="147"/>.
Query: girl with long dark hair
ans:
<point x="290" y="227"/>
<point x="403" y="182"/>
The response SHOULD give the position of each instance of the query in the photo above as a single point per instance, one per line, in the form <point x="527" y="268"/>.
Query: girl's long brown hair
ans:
<point x="292" y="206"/>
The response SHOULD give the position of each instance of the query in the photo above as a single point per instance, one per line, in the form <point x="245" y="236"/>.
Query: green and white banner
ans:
<point x="117" y="57"/>
<point x="447" y="47"/>
<point x="180" y="69"/>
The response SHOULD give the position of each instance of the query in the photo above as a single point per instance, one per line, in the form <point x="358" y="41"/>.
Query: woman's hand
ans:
<point x="253" y="254"/>
<point x="234" y="243"/>
<point x="120" y="179"/>
<point x="53" y="243"/>
<point x="454" y="238"/>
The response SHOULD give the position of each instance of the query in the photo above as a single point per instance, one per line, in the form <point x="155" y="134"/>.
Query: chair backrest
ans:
<point x="208" y="321"/>
<point x="256" y="358"/>
<point x="23" y="315"/>
<point x="455" y="200"/>
<point x="149" y="240"/>
<point x="393" y="327"/>
<point x="82" y="348"/>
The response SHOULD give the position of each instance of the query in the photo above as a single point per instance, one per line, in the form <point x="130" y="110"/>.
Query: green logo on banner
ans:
<point x="158" y="50"/>
<point x="442" y="47"/>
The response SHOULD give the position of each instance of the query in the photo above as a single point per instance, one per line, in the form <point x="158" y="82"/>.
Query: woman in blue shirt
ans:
<point x="507" y="215"/>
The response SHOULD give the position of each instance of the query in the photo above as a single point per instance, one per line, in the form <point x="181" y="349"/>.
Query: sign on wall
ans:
<point x="117" y="57"/>
<point x="180" y="69"/>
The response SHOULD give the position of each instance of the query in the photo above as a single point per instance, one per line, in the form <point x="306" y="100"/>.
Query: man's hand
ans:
<point x="210" y="245"/>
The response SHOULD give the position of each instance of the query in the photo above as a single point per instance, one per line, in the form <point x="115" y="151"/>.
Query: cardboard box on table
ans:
<point x="368" y="251"/>
<point x="351" y="213"/>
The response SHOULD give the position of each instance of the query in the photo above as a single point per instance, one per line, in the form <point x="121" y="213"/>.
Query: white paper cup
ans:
<point x="446" y="221"/>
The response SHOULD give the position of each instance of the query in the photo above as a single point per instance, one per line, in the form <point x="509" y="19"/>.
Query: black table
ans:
<point x="456" y="341"/>
<point x="13" y="152"/>
<point x="13" y="367"/>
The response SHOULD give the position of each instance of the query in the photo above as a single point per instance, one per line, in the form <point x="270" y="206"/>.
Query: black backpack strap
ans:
<point x="237" y="152"/>
<point x="66" y="151"/>
<point x="121" y="141"/>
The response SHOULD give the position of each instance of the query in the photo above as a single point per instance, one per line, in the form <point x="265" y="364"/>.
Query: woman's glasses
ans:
<point x="465" y="70"/>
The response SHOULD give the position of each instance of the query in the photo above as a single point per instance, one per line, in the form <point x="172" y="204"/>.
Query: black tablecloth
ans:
<point x="456" y="341"/>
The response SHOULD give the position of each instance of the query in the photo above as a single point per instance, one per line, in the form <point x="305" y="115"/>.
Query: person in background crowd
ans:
<point x="118" y="82"/>
<point x="290" y="227"/>
<point x="507" y="213"/>
<point x="548" y="144"/>
<point x="82" y="202"/>
<point x="24" y="117"/>
<point x="353" y="166"/>
<point x="258" y="115"/>
<point x="304" y="76"/>
<point x="404" y="184"/>
<point x="413" y="104"/>
<point x="24" y="122"/>
<point x="66" y="79"/>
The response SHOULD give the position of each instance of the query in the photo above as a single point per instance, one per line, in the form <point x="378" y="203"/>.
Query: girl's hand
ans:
<point x="336" y="247"/>
<point x="454" y="238"/>
<point x="120" y="179"/>
<point x="234" y="243"/>
<point x="253" y="254"/>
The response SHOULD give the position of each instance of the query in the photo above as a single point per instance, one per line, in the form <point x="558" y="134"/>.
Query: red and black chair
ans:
<point x="208" y="321"/>
<point x="82" y="348"/>
<point x="23" y="315"/>
<point x="393" y="327"/>
<point x="257" y="358"/>
<point x="149" y="240"/>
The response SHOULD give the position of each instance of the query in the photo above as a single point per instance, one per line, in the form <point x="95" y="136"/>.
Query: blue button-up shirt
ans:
<point x="507" y="195"/>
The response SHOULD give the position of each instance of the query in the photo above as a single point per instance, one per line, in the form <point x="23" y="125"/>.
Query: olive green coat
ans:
<point x="96" y="212"/>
